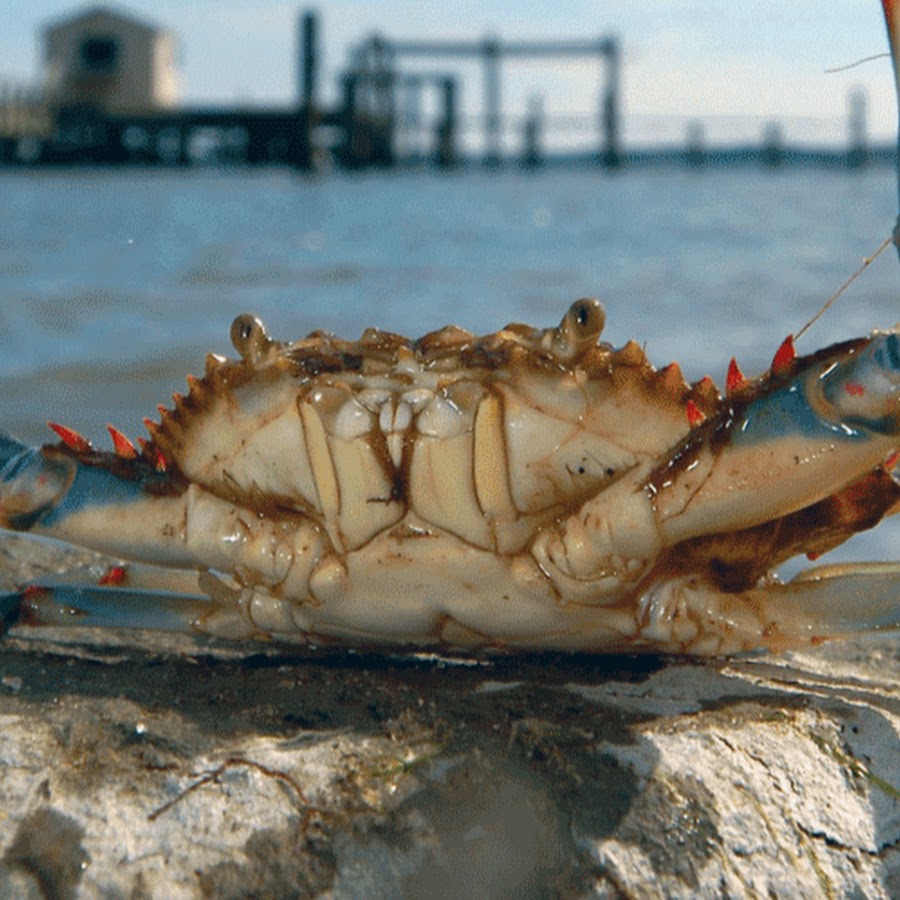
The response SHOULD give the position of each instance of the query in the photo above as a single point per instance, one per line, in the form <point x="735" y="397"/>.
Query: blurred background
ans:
<point x="164" y="166"/>
<point x="684" y="72"/>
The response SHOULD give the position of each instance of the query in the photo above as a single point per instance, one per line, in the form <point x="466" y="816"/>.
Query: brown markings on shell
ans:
<point x="448" y="339"/>
<point x="449" y="349"/>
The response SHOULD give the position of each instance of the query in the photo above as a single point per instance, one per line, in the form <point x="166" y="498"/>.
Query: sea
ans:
<point x="114" y="284"/>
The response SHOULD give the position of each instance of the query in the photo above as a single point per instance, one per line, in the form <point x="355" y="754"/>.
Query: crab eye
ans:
<point x="249" y="336"/>
<point x="581" y="313"/>
<point x="588" y="317"/>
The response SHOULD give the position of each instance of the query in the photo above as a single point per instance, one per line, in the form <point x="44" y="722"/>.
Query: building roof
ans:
<point x="107" y="13"/>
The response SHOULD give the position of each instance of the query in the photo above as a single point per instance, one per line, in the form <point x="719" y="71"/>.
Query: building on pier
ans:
<point x="111" y="62"/>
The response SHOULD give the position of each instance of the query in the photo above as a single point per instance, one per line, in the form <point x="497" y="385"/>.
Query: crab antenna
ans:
<point x="892" y="20"/>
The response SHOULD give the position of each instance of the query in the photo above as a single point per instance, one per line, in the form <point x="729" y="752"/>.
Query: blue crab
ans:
<point x="532" y="489"/>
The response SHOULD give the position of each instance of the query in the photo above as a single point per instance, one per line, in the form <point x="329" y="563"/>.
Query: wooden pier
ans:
<point x="362" y="131"/>
<point x="377" y="122"/>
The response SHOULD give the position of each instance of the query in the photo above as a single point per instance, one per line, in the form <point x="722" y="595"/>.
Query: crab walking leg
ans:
<point x="146" y="603"/>
<point x="99" y="607"/>
<point x="137" y="596"/>
<point x="688" y="615"/>
<point x="763" y="458"/>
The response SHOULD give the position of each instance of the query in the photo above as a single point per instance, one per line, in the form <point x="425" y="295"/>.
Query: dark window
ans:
<point x="99" y="54"/>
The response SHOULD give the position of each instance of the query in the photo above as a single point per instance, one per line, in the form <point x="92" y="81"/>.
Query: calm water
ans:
<point x="112" y="286"/>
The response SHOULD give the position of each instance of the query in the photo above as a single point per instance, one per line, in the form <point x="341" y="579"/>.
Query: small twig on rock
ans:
<point x="231" y="763"/>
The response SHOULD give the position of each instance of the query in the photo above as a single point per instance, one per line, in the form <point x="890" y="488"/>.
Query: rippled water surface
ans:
<point x="114" y="285"/>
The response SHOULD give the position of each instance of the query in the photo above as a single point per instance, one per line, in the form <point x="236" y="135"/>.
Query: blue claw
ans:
<point x="31" y="483"/>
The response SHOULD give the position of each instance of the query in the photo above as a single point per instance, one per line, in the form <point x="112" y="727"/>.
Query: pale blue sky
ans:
<point x="732" y="64"/>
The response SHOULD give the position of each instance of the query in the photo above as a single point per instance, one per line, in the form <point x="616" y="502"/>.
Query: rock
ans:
<point x="152" y="766"/>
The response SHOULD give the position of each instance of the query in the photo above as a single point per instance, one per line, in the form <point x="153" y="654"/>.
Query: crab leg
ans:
<point x="104" y="607"/>
<point x="793" y="439"/>
<point x="687" y="615"/>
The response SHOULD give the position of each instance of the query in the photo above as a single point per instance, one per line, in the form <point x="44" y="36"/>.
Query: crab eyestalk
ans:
<point x="251" y="339"/>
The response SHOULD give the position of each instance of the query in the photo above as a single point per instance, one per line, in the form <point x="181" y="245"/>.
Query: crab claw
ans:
<point x="31" y="483"/>
<point x="105" y="501"/>
<point x="788" y="444"/>
<point x="863" y="392"/>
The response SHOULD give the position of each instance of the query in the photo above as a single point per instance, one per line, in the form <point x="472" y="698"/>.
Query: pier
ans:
<point x="87" y="118"/>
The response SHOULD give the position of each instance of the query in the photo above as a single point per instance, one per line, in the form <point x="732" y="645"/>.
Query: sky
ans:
<point x="733" y="66"/>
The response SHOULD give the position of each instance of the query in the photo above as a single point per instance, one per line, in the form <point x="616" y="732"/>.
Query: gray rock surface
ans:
<point x="149" y="766"/>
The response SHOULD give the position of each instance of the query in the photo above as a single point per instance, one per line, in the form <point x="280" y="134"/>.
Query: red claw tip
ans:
<point x="695" y="414"/>
<point x="153" y="455"/>
<point x="72" y="439"/>
<point x="784" y="356"/>
<point x="114" y="575"/>
<point x="735" y="379"/>
<point x="123" y="447"/>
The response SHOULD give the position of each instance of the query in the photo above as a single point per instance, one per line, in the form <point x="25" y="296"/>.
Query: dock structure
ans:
<point x="376" y="64"/>
<point x="109" y="96"/>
